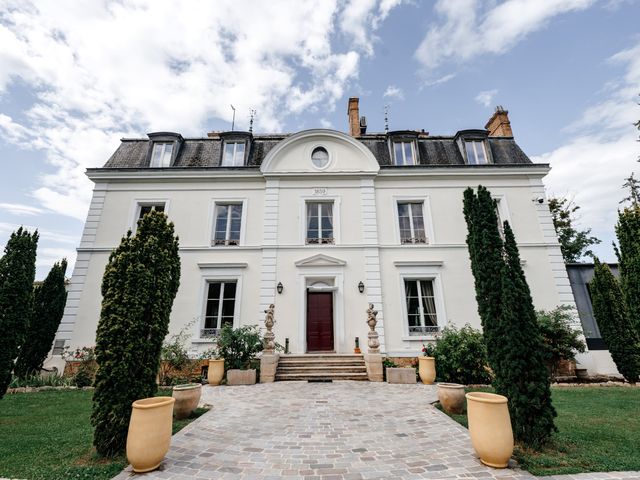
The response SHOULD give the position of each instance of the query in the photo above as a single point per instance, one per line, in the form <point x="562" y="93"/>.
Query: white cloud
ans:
<point x="486" y="97"/>
<point x="474" y="27"/>
<point x="20" y="210"/>
<point x="393" y="92"/>
<point x="439" y="80"/>
<point x="602" y="151"/>
<point x="103" y="70"/>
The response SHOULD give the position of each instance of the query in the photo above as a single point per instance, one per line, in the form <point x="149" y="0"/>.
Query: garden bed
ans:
<point x="598" y="431"/>
<point x="47" y="435"/>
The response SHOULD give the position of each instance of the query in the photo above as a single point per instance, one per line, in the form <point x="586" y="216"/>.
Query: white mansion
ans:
<point x="319" y="223"/>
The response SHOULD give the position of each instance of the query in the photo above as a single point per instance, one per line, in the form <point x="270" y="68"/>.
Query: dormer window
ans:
<point x="403" y="147"/>
<point x="161" y="155"/>
<point x="404" y="153"/>
<point x="476" y="152"/>
<point x="164" y="149"/>
<point x="233" y="154"/>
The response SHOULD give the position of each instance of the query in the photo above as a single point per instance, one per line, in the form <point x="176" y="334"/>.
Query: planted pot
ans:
<point x="451" y="397"/>
<point x="241" y="377"/>
<point x="149" y="432"/>
<point x="427" y="369"/>
<point x="187" y="397"/>
<point x="490" y="428"/>
<point x="216" y="371"/>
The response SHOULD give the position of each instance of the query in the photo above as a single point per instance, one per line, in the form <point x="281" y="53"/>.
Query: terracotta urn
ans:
<point x="241" y="377"/>
<point x="187" y="397"/>
<point x="490" y="428"/>
<point x="427" y="369"/>
<point x="451" y="397"/>
<point x="149" y="432"/>
<point x="216" y="371"/>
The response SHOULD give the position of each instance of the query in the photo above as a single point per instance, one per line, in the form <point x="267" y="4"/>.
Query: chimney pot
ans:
<point x="353" y="111"/>
<point x="499" y="124"/>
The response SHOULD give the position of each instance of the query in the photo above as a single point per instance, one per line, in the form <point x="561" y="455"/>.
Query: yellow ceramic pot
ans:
<point x="490" y="428"/>
<point x="216" y="371"/>
<point x="427" y="369"/>
<point x="187" y="397"/>
<point x="149" y="432"/>
<point x="451" y="397"/>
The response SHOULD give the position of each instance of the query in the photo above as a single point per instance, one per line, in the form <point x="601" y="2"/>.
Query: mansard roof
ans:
<point x="207" y="152"/>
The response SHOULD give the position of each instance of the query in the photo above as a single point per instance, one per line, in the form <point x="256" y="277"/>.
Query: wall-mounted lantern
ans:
<point x="361" y="287"/>
<point x="280" y="287"/>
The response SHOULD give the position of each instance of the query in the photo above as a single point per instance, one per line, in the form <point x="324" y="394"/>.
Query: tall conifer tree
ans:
<point x="17" y="273"/>
<point x="522" y="375"/>
<point x="49" y="299"/>
<point x="612" y="316"/>
<point x="628" y="252"/>
<point x="138" y="288"/>
<point x="510" y="329"/>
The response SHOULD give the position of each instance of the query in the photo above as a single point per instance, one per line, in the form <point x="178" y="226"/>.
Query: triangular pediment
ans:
<point x="320" y="260"/>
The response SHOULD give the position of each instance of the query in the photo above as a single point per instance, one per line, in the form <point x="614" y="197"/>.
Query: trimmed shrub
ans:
<point x="561" y="340"/>
<point x="461" y="356"/>
<point x="17" y="273"/>
<point x="49" y="299"/>
<point x="239" y="347"/>
<point x="138" y="288"/>
<point x="615" y="325"/>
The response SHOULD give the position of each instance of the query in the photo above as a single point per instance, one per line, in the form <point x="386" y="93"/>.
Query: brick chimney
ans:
<point x="499" y="124"/>
<point x="354" y="116"/>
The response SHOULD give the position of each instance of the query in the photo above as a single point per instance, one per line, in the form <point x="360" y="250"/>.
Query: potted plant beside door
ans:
<point x="427" y="365"/>
<point x="239" y="348"/>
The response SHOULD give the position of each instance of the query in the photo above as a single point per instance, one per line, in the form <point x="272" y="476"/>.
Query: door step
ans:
<point x="321" y="367"/>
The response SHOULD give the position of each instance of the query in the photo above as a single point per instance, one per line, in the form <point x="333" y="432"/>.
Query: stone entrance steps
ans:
<point x="321" y="367"/>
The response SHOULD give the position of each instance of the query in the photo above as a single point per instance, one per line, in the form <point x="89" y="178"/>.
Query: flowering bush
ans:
<point x="86" y="371"/>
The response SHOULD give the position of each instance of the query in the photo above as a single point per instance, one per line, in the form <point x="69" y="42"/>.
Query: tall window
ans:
<point x="476" y="152"/>
<point x="161" y="154"/>
<point x="221" y="304"/>
<point x="228" y="223"/>
<point x="403" y="153"/>
<point x="411" y="222"/>
<point x="421" y="307"/>
<point x="150" y="207"/>
<point x="320" y="222"/>
<point x="233" y="154"/>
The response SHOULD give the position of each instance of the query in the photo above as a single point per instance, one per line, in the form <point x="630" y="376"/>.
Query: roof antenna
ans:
<point x="252" y="114"/>
<point x="386" y="119"/>
<point x="233" y="122"/>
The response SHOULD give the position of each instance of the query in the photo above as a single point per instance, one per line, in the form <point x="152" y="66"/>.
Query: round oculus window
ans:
<point x="320" y="157"/>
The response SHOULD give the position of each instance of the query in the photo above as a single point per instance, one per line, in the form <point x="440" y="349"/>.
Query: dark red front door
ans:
<point x="319" y="321"/>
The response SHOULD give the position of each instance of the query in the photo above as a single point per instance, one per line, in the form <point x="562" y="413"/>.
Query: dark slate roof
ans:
<point x="207" y="152"/>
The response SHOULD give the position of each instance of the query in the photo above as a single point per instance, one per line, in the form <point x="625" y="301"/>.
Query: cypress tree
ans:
<point x="485" y="251"/>
<point x="17" y="273"/>
<point x="520" y="368"/>
<point x="138" y="288"/>
<point x="615" y="325"/>
<point x="628" y="252"/>
<point x="49" y="299"/>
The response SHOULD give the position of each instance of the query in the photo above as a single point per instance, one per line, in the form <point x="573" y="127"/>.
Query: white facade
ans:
<point x="272" y="243"/>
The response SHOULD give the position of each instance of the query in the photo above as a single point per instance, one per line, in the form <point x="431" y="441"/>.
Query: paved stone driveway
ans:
<point x="316" y="431"/>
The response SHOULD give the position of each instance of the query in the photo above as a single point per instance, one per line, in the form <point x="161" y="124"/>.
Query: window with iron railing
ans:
<point x="220" y="308"/>
<point x="228" y="222"/>
<point x="411" y="223"/>
<point x="319" y="223"/>
<point x="421" y="307"/>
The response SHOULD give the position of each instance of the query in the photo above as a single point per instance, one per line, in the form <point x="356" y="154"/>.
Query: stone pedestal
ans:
<point x="373" y="362"/>
<point x="268" y="367"/>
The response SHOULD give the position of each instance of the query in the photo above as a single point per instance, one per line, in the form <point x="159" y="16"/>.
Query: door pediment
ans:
<point x="320" y="260"/>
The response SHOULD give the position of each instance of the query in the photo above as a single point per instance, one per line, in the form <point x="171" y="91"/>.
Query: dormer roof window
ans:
<point x="235" y="148"/>
<point x="403" y="148"/>
<point x="476" y="152"/>
<point x="473" y="147"/>
<point x="164" y="149"/>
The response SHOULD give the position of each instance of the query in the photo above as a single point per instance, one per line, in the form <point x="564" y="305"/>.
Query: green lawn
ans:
<point x="598" y="431"/>
<point x="47" y="436"/>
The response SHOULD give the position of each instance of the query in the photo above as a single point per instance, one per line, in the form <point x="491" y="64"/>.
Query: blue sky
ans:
<point x="76" y="77"/>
